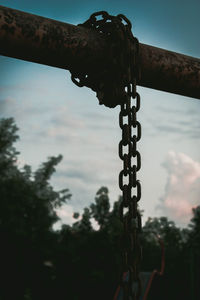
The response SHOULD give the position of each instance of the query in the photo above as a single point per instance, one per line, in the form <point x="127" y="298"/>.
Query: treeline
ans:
<point x="79" y="262"/>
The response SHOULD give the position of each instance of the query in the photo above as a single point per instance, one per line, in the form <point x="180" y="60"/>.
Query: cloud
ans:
<point x="189" y="129"/>
<point x="183" y="130"/>
<point x="174" y="119"/>
<point x="84" y="177"/>
<point x="66" y="214"/>
<point x="73" y="125"/>
<point x="21" y="108"/>
<point x="182" y="190"/>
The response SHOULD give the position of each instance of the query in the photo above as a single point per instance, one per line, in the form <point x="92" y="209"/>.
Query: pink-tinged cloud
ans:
<point x="182" y="190"/>
<point x="66" y="214"/>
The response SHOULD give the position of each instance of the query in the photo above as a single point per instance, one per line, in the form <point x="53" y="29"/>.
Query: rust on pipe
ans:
<point x="46" y="41"/>
<point x="169" y="71"/>
<point x="37" y="39"/>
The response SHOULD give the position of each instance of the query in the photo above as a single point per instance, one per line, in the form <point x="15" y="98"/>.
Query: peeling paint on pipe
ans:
<point x="37" y="39"/>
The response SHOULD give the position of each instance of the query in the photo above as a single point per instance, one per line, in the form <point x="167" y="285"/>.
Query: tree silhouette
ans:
<point x="79" y="261"/>
<point x="27" y="214"/>
<point x="193" y="251"/>
<point x="100" y="209"/>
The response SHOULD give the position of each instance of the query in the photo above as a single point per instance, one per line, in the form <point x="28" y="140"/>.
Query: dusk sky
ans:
<point x="56" y="117"/>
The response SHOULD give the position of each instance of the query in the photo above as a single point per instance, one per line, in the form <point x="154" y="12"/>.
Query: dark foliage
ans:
<point x="78" y="261"/>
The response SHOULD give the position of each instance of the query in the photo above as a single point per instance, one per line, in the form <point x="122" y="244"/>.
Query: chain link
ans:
<point x="131" y="194"/>
<point x="115" y="84"/>
<point x="112" y="75"/>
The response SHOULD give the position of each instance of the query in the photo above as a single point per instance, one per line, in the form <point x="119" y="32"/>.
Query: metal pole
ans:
<point x="46" y="41"/>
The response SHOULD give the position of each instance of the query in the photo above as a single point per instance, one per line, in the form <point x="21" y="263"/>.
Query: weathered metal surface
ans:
<point x="169" y="71"/>
<point x="46" y="41"/>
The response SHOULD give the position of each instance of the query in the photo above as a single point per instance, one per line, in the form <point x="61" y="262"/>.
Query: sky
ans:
<point x="56" y="117"/>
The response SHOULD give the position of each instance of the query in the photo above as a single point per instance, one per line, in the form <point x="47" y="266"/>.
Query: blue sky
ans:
<point x="54" y="116"/>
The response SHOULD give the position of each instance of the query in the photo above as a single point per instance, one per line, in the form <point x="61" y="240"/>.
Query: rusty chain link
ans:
<point x="131" y="194"/>
<point x="111" y="77"/>
<point x="115" y="84"/>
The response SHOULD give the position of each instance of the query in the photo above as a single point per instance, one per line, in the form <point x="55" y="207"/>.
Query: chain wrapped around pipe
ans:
<point x="115" y="84"/>
<point x="111" y="77"/>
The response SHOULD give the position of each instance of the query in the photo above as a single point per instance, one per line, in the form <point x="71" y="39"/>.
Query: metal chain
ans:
<point x="116" y="84"/>
<point x="111" y="76"/>
<point x="131" y="194"/>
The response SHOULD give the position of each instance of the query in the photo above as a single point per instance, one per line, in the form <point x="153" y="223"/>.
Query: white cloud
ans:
<point x="182" y="190"/>
<point x="66" y="214"/>
<point x="66" y="217"/>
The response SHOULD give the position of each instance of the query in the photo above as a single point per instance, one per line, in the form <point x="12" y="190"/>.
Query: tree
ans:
<point x="8" y="153"/>
<point x="193" y="253"/>
<point x="84" y="225"/>
<point x="194" y="225"/>
<point x="100" y="209"/>
<point x="78" y="262"/>
<point x="27" y="214"/>
<point x="176" y="273"/>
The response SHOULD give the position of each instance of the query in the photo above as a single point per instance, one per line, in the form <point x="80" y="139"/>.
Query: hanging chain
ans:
<point x="115" y="84"/>
<point x="131" y="193"/>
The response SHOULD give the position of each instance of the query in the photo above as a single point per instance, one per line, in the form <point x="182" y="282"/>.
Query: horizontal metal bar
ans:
<point x="170" y="71"/>
<point x="46" y="41"/>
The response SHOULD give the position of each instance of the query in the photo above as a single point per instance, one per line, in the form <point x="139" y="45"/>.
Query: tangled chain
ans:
<point x="115" y="84"/>
<point x="111" y="77"/>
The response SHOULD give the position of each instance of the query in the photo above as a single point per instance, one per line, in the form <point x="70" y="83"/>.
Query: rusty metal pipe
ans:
<point x="46" y="41"/>
<point x="170" y="71"/>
